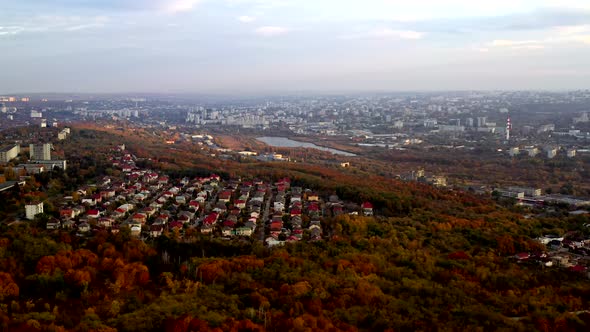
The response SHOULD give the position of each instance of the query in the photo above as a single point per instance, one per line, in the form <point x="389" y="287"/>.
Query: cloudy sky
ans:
<point x="262" y="46"/>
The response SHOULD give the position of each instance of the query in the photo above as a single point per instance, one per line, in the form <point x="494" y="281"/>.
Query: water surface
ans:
<point x="283" y="142"/>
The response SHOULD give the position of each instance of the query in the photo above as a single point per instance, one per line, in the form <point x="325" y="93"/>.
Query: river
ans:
<point x="283" y="142"/>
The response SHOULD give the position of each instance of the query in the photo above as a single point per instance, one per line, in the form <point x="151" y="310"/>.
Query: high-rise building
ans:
<point x="571" y="153"/>
<point x="481" y="121"/>
<point x="31" y="210"/>
<point x="9" y="152"/>
<point x="40" y="152"/>
<point x="513" y="152"/>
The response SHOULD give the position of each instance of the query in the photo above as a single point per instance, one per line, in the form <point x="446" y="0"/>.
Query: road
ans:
<point x="260" y="229"/>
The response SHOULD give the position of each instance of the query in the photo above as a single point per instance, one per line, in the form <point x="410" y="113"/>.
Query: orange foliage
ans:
<point x="130" y="275"/>
<point x="7" y="286"/>
<point x="67" y="260"/>
<point x="245" y="263"/>
<point x="81" y="277"/>
<point x="506" y="245"/>
<point x="211" y="271"/>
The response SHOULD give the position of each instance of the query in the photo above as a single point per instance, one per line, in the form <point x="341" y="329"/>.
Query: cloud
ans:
<point x="573" y="29"/>
<point x="582" y="39"/>
<point x="386" y="33"/>
<point x="167" y="6"/>
<point x="519" y="44"/>
<point x="83" y="27"/>
<point x="553" y="40"/>
<point x="401" y="34"/>
<point x="10" y="30"/>
<point x="271" y="31"/>
<point x="246" y="19"/>
<point x="511" y="43"/>
<point x="48" y="23"/>
<point x="574" y="4"/>
<point x="177" y="6"/>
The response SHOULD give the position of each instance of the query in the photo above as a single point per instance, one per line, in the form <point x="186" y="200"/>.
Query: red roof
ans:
<point x="225" y="195"/>
<point x="176" y="224"/>
<point x="578" y="268"/>
<point x="93" y="213"/>
<point x="211" y="218"/>
<point x="229" y="223"/>
<point x="66" y="212"/>
<point x="367" y="205"/>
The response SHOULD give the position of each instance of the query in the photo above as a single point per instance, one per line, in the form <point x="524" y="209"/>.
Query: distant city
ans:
<point x="533" y="123"/>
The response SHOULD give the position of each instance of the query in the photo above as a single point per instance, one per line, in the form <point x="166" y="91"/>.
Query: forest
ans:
<point x="430" y="260"/>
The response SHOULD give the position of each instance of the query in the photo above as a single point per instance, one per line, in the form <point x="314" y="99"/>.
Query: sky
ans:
<point x="268" y="46"/>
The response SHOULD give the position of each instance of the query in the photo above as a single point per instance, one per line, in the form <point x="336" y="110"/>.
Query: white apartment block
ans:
<point x="33" y="209"/>
<point x="8" y="153"/>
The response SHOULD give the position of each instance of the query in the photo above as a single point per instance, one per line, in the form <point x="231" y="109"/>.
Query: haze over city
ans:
<point x="260" y="46"/>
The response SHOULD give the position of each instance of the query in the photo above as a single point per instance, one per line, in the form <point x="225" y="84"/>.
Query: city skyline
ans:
<point x="265" y="46"/>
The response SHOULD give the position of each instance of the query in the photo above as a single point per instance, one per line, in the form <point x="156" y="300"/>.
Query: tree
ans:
<point x="8" y="288"/>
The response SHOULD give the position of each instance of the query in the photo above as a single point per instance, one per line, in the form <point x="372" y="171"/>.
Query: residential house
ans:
<point x="135" y="230"/>
<point x="156" y="230"/>
<point x="176" y="225"/>
<point x="279" y="206"/>
<point x="148" y="211"/>
<point x="313" y="197"/>
<point x="241" y="204"/>
<point x="225" y="196"/>
<point x="67" y="213"/>
<point x="89" y="201"/>
<point x="105" y="222"/>
<point x="139" y="218"/>
<point x="243" y="231"/>
<point x="93" y="214"/>
<point x="68" y="224"/>
<point x="272" y="242"/>
<point x="206" y="229"/>
<point x="180" y="200"/>
<point x="367" y="208"/>
<point x="84" y="227"/>
<point x="295" y="212"/>
<point x="227" y="231"/>
<point x="53" y="224"/>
